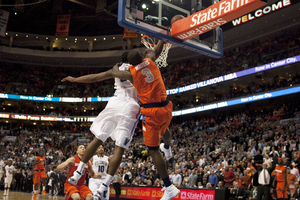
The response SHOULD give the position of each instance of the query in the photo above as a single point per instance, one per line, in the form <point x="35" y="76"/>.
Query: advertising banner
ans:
<point x="156" y="193"/>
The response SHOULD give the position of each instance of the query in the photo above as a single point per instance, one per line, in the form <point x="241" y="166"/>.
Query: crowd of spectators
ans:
<point x="204" y="150"/>
<point x="42" y="80"/>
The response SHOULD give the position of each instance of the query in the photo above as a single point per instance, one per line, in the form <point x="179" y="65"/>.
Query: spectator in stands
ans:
<point x="212" y="178"/>
<point x="229" y="177"/>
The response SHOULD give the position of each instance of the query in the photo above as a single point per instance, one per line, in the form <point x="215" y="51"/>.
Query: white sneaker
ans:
<point x="74" y="178"/>
<point x="167" y="152"/>
<point x="102" y="192"/>
<point x="170" y="192"/>
<point x="4" y="193"/>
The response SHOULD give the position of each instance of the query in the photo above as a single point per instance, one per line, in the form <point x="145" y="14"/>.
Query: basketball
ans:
<point x="176" y="18"/>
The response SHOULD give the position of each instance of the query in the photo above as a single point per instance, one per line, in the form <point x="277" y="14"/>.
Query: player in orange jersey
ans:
<point x="281" y="178"/>
<point x="39" y="174"/>
<point x="80" y="190"/>
<point x="156" y="108"/>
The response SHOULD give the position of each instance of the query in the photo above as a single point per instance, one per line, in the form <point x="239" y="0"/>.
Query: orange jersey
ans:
<point x="148" y="82"/>
<point x="73" y="169"/>
<point x="279" y="173"/>
<point x="40" y="166"/>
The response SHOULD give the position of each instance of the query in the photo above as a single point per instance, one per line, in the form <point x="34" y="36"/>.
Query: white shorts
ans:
<point x="94" y="185"/>
<point x="8" y="180"/>
<point x="118" y="121"/>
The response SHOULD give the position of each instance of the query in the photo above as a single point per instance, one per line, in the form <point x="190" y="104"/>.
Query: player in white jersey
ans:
<point x="8" y="176"/>
<point x="99" y="163"/>
<point x="1" y="168"/>
<point x="118" y="121"/>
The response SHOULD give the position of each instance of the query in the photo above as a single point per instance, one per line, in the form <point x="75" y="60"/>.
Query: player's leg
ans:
<point x="89" y="196"/>
<point x="8" y="185"/>
<point x="71" y="192"/>
<point x="5" y="185"/>
<point x="165" y="147"/>
<point x="153" y="128"/>
<point x="127" y="117"/>
<point x="103" y="191"/>
<point x="75" y="196"/>
<point x="115" y="160"/>
<point x="44" y="181"/>
<point x="36" y="183"/>
<point x="85" y="192"/>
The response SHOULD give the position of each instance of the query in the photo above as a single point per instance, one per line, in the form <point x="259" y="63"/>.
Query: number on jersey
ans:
<point x="149" y="75"/>
<point x="101" y="168"/>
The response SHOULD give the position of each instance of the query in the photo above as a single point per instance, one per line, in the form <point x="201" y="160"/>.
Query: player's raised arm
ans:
<point x="90" y="78"/>
<point x="68" y="163"/>
<point x="154" y="54"/>
<point x="126" y="75"/>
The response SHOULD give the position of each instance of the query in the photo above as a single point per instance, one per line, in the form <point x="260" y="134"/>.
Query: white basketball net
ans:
<point x="161" y="61"/>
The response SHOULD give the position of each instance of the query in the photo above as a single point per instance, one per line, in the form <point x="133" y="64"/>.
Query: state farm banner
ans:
<point x="62" y="26"/>
<point x="3" y="22"/>
<point x="212" y="17"/>
<point x="156" y="193"/>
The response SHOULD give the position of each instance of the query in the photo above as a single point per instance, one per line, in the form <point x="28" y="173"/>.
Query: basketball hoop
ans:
<point x="161" y="61"/>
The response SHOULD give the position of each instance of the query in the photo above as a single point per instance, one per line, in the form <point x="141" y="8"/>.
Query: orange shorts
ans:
<point x="155" y="122"/>
<point x="281" y="195"/>
<point x="82" y="190"/>
<point x="38" y="175"/>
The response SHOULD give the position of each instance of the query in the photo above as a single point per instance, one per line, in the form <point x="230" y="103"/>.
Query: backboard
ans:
<point x="152" y="18"/>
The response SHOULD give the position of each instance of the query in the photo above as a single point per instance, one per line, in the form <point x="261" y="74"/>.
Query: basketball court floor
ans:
<point x="27" y="196"/>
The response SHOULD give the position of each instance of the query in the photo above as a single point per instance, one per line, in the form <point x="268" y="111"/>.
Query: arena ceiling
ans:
<point x="99" y="17"/>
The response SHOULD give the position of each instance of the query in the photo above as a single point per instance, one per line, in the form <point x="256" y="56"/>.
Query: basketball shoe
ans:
<point x="102" y="192"/>
<point x="75" y="178"/>
<point x="170" y="192"/>
<point x="167" y="152"/>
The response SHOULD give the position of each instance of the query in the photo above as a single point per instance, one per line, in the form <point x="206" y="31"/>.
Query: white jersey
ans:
<point x="9" y="170"/>
<point x="125" y="87"/>
<point x="100" y="165"/>
<point x="1" y="165"/>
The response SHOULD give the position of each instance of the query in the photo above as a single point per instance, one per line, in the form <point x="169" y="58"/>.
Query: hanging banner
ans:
<point x="3" y="22"/>
<point x="62" y="26"/>
<point x="129" y="34"/>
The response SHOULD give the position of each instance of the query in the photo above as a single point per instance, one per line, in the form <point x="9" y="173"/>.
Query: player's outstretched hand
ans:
<point x="68" y="78"/>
